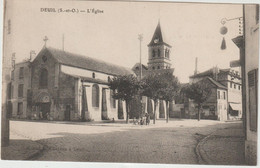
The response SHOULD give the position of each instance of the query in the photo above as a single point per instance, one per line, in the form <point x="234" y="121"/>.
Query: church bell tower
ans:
<point x="158" y="52"/>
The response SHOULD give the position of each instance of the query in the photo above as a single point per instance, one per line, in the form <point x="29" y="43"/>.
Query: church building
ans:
<point x="64" y="86"/>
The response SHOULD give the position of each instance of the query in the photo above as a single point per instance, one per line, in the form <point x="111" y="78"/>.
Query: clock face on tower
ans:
<point x="156" y="40"/>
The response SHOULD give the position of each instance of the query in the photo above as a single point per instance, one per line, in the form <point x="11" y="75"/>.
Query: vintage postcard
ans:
<point x="135" y="82"/>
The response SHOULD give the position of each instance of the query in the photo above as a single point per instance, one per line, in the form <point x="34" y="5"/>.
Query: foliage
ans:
<point x="152" y="86"/>
<point x="161" y="86"/>
<point x="125" y="87"/>
<point x="172" y="89"/>
<point x="199" y="92"/>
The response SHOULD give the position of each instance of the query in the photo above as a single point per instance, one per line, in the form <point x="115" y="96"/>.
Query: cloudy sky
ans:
<point x="191" y="28"/>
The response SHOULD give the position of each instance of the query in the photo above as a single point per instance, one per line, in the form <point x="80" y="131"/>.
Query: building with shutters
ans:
<point x="249" y="63"/>
<point x="19" y="89"/>
<point x="249" y="59"/>
<point x="229" y="79"/>
<point x="59" y="85"/>
<point x="216" y="105"/>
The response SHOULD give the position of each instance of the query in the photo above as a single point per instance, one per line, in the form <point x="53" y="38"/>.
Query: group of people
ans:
<point x="143" y="120"/>
<point x="44" y="117"/>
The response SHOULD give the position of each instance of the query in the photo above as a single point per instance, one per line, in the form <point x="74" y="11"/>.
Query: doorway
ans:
<point x="67" y="113"/>
<point x="104" y="115"/>
<point x="45" y="109"/>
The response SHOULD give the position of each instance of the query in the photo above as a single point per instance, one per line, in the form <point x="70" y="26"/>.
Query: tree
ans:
<point x="125" y="88"/>
<point x="199" y="92"/>
<point x="152" y="86"/>
<point x="170" y="91"/>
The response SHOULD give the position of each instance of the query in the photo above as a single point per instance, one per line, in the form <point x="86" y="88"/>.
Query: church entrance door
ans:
<point x="45" y="109"/>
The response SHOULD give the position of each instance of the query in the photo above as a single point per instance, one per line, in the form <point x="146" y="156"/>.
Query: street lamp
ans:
<point x="224" y="29"/>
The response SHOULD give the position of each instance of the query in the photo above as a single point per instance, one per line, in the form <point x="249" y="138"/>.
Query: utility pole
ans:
<point x="140" y="38"/>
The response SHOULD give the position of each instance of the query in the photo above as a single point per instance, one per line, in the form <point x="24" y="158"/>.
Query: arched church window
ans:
<point x="43" y="83"/>
<point x="93" y="75"/>
<point x="112" y="100"/>
<point x="153" y="53"/>
<point x="159" y="53"/>
<point x="153" y="68"/>
<point x="95" y="95"/>
<point x="158" y="67"/>
<point x="167" y="53"/>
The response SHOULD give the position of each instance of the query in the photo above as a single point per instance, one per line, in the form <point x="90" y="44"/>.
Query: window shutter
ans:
<point x="21" y="72"/>
<point x="257" y="14"/>
<point x="20" y="91"/>
<point x="252" y="84"/>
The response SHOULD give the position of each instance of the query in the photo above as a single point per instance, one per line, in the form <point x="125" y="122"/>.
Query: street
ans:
<point x="176" y="142"/>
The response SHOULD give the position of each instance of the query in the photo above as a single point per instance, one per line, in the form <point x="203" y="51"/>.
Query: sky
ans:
<point x="192" y="29"/>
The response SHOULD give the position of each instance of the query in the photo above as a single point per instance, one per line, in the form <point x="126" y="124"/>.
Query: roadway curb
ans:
<point x="202" y="155"/>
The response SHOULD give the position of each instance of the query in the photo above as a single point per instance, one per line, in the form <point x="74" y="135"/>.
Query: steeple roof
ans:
<point x="158" y="37"/>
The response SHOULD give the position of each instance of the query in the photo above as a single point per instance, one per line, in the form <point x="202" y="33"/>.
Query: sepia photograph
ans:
<point x="137" y="82"/>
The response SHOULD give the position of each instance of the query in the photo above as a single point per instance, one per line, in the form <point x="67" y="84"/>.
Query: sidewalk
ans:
<point x="20" y="148"/>
<point x="224" y="147"/>
<point x="122" y="123"/>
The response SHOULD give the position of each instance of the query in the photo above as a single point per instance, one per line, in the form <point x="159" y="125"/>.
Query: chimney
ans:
<point x="32" y="55"/>
<point x="196" y="66"/>
<point x="215" y="73"/>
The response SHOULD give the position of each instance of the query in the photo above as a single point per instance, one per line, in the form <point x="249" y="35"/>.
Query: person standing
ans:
<point x="147" y="119"/>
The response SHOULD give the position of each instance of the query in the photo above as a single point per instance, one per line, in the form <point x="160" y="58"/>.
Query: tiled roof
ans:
<point x="205" y="73"/>
<point x="219" y="85"/>
<point x="210" y="72"/>
<point x="138" y="65"/>
<point x="85" y="62"/>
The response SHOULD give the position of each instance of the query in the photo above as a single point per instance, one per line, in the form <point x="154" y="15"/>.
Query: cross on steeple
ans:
<point x="45" y="40"/>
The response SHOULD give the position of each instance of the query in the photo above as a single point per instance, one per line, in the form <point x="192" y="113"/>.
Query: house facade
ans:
<point x="215" y="107"/>
<point x="231" y="80"/>
<point x="19" y="90"/>
<point x="65" y="86"/>
<point x="248" y="43"/>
